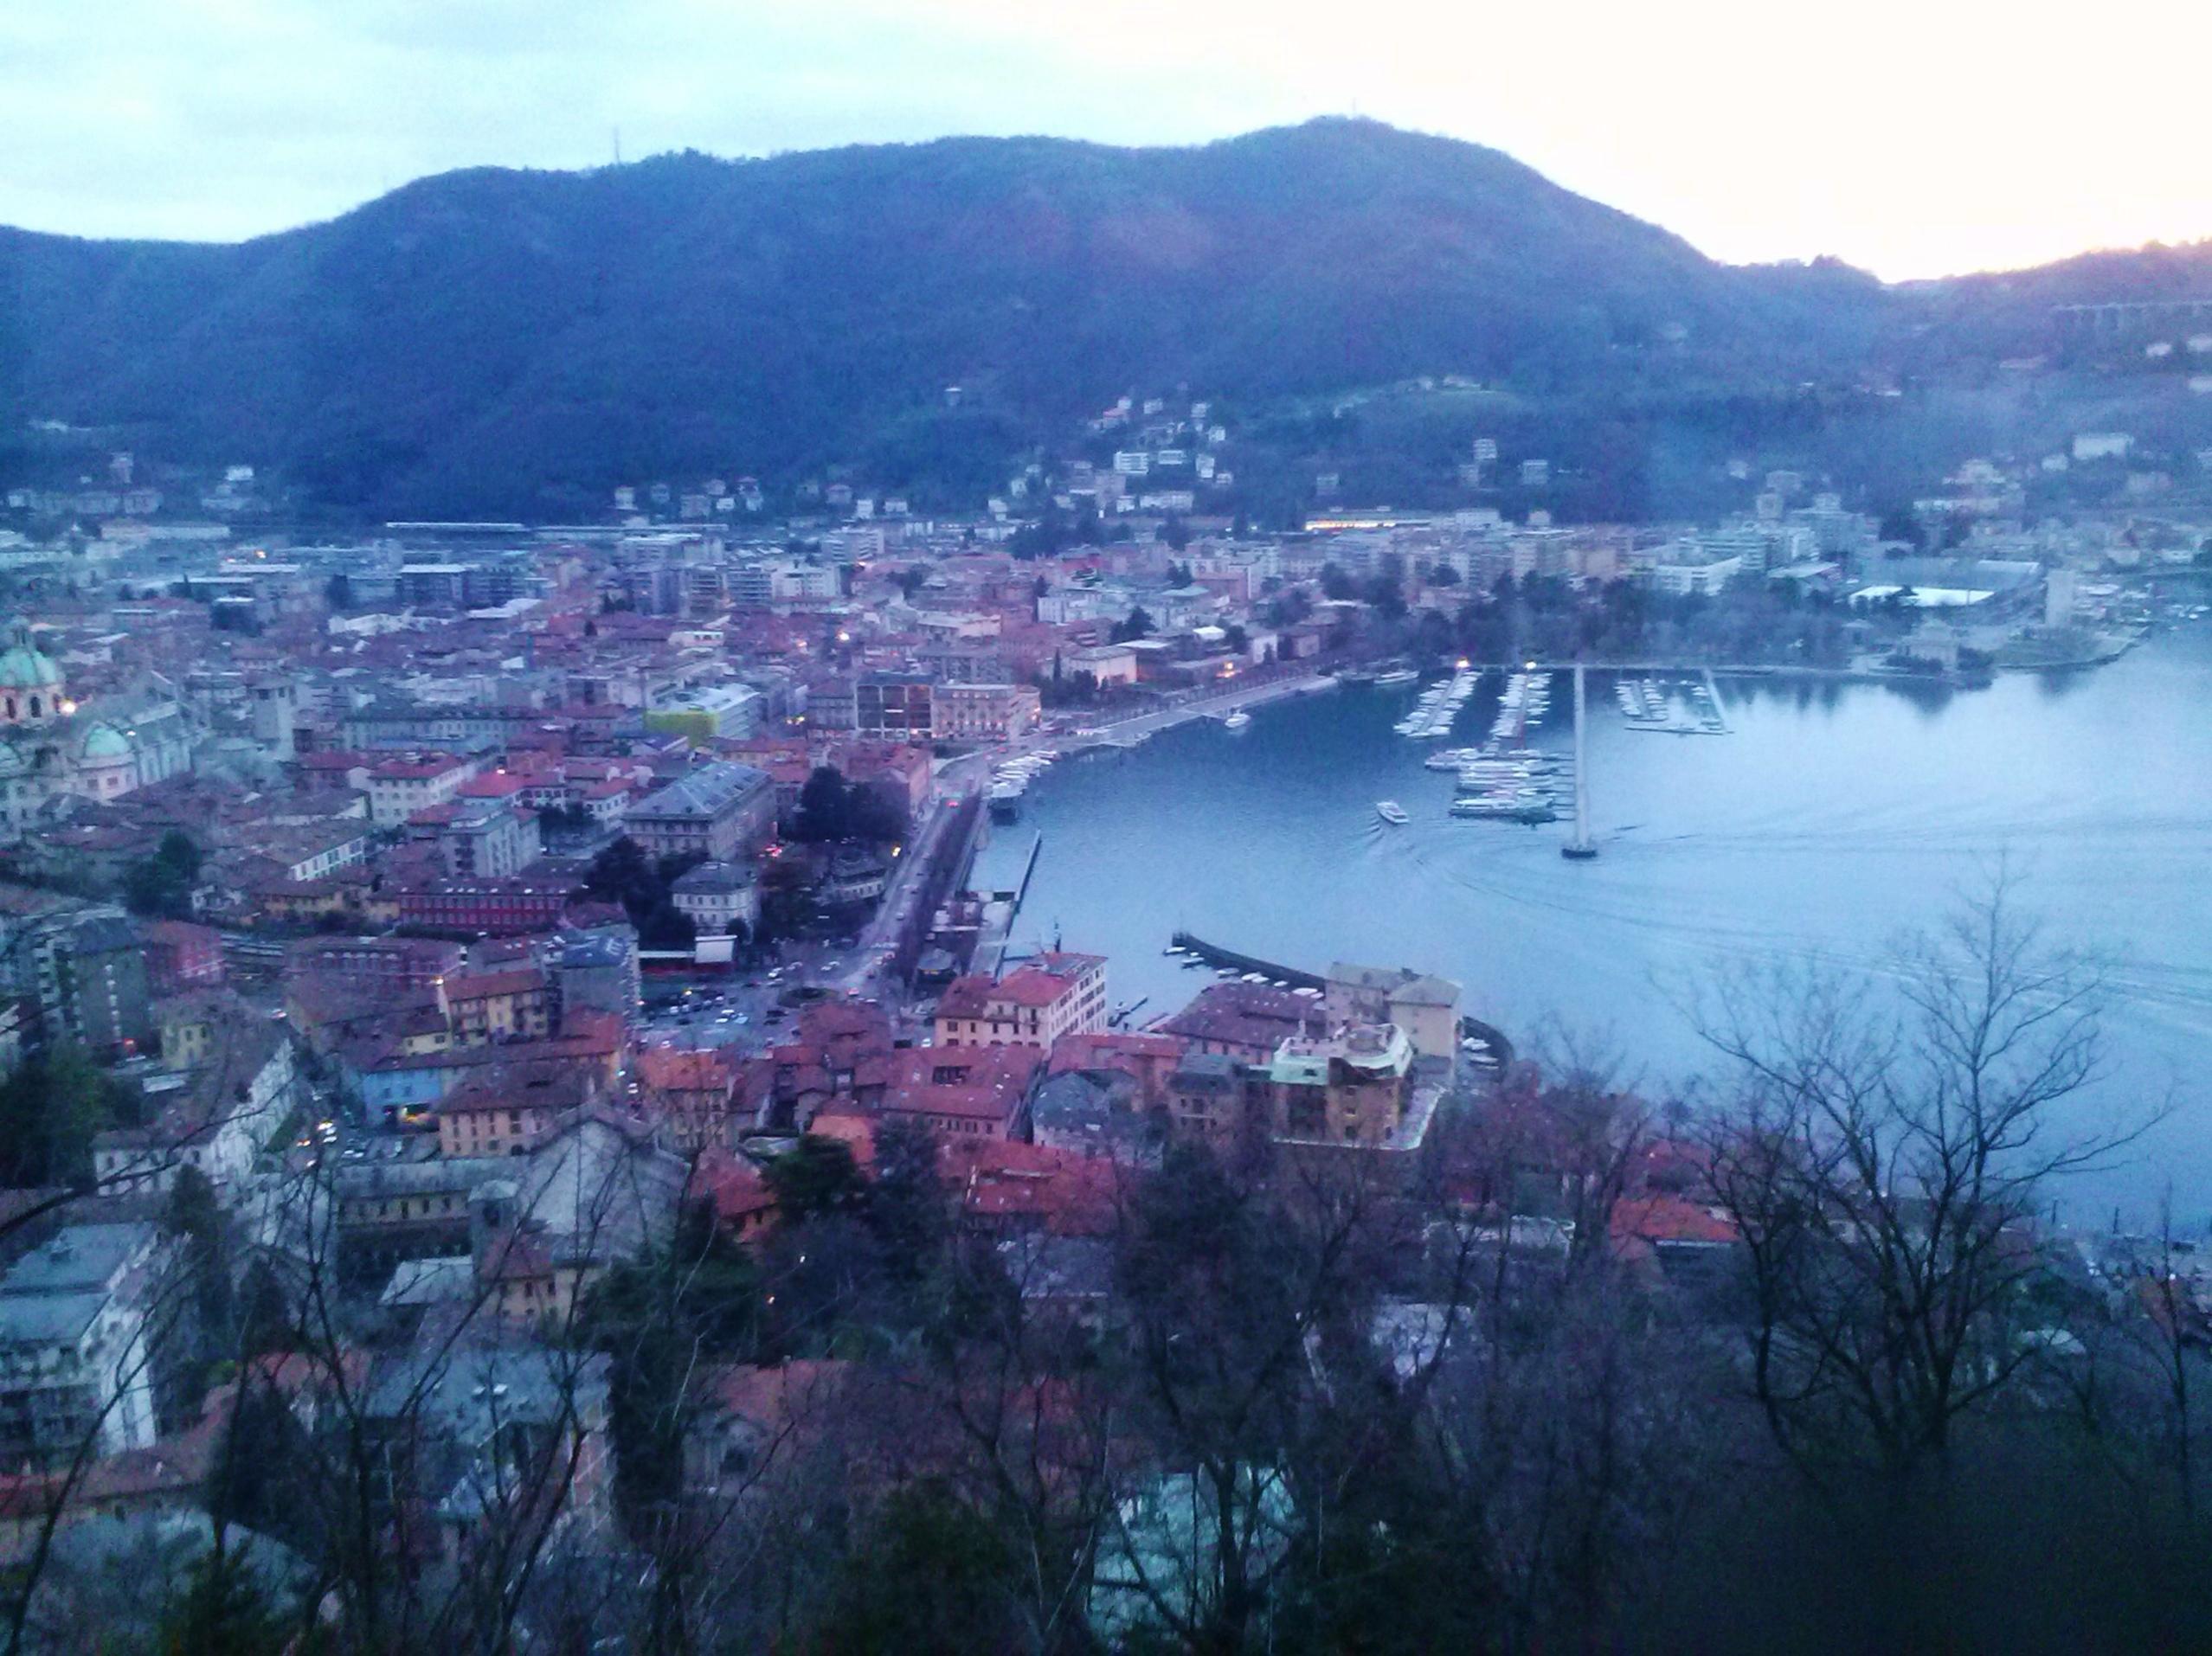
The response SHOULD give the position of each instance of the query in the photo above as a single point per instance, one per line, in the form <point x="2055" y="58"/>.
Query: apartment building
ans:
<point x="1055" y="995"/>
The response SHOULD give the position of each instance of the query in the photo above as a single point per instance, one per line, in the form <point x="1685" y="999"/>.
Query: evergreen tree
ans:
<point x="224" y="1610"/>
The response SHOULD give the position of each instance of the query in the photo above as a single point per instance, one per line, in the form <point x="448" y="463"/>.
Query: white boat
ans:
<point x="1237" y="720"/>
<point x="1397" y="675"/>
<point x="1391" y="811"/>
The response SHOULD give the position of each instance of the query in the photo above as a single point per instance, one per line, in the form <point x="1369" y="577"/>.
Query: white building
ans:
<point x="215" y="1116"/>
<point x="1707" y="575"/>
<point x="718" y="897"/>
<point x="73" y="1362"/>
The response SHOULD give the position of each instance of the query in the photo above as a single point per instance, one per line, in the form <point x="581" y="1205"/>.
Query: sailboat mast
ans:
<point x="1580" y="848"/>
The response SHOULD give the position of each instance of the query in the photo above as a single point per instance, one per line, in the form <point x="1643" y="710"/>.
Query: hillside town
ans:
<point x="414" y="942"/>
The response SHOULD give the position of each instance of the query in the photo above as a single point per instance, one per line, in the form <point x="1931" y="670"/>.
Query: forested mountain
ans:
<point x="516" y="341"/>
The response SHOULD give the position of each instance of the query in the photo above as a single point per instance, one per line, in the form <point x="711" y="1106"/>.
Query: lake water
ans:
<point x="1834" y="816"/>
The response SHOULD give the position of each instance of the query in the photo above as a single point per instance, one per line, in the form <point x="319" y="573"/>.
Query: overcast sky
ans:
<point x="1913" y="137"/>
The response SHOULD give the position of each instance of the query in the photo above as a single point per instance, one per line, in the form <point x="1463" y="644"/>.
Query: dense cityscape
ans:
<point x="526" y="1127"/>
<point x="1007" y="830"/>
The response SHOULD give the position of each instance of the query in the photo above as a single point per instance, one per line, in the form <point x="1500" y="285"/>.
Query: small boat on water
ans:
<point x="1237" y="720"/>
<point x="1391" y="811"/>
<point x="1397" y="675"/>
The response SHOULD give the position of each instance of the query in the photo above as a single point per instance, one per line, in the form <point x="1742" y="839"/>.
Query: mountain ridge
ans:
<point x="495" y="338"/>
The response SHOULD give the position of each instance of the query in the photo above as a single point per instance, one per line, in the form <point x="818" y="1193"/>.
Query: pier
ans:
<point x="1713" y="690"/>
<point x="1228" y="959"/>
<point x="1021" y="890"/>
<point x="1000" y="908"/>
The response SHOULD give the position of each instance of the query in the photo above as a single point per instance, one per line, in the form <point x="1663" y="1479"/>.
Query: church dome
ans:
<point x="23" y="666"/>
<point x="103" y="745"/>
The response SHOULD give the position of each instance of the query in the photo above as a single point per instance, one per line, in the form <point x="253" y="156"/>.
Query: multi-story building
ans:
<point x="486" y="838"/>
<point x="720" y="897"/>
<point x="962" y="1091"/>
<point x="180" y="955"/>
<point x="214" y="1112"/>
<point x="86" y="971"/>
<point x="406" y="1205"/>
<point x="1705" y="574"/>
<point x="1349" y="1087"/>
<point x="1034" y="1005"/>
<point x="1206" y="1100"/>
<point x="1426" y="1008"/>
<point x="893" y="707"/>
<point x="698" y="1097"/>
<point x="983" y="713"/>
<point x="487" y="907"/>
<point x="598" y="971"/>
<point x="506" y="1111"/>
<point x="74" y="1359"/>
<point x="399" y="787"/>
<point x="483" y="1006"/>
<point x="1246" y="1022"/>
<point x="716" y="811"/>
<point x="379" y="965"/>
<point x="731" y="712"/>
<point x="1105" y="663"/>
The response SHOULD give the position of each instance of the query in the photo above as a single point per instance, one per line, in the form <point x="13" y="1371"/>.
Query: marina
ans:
<point x="1836" y="816"/>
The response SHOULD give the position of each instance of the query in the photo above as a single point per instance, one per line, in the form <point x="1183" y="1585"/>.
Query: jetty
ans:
<point x="1228" y="959"/>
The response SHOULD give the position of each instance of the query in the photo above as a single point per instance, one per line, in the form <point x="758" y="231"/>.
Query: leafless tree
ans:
<point x="1885" y="1149"/>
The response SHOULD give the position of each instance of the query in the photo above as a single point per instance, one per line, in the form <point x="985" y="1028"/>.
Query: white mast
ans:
<point x="1580" y="848"/>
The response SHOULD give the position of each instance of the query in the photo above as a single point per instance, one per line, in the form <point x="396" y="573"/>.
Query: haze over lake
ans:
<point x="1834" y="816"/>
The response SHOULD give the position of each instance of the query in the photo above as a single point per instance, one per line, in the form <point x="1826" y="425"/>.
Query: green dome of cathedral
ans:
<point x="23" y="666"/>
<point x="101" y="742"/>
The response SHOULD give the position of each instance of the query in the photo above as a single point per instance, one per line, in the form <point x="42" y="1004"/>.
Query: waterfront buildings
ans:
<point x="402" y="957"/>
<point x="1348" y="1088"/>
<point x="974" y="714"/>
<point x="1056" y="995"/>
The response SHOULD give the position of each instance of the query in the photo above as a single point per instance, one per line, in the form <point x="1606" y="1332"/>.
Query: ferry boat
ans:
<point x="1006" y="800"/>
<point x="1391" y="811"/>
<point x="1237" y="720"/>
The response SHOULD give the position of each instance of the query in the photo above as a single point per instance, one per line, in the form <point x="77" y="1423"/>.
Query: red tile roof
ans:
<point x="1668" y="1219"/>
<point x="1063" y="1191"/>
<point x="992" y="1082"/>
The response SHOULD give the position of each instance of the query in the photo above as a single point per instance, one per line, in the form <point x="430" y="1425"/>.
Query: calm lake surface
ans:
<point x="1833" y="817"/>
